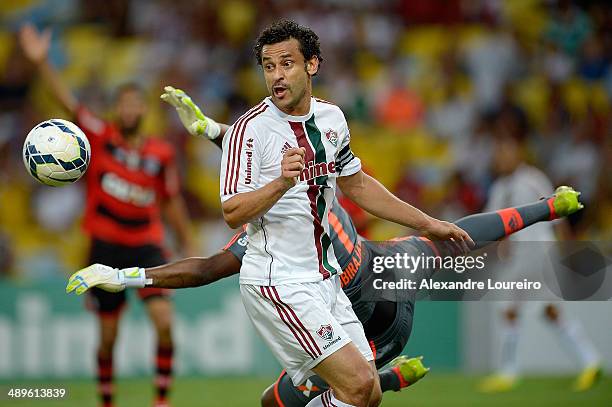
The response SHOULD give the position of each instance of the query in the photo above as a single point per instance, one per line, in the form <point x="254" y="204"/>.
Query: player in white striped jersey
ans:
<point x="289" y="243"/>
<point x="279" y="170"/>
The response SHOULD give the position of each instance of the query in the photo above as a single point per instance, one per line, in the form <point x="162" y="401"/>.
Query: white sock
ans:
<point x="509" y="363"/>
<point x="327" y="399"/>
<point x="575" y="340"/>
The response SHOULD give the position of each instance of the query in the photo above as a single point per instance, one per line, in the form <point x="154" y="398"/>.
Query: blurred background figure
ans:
<point x="519" y="182"/>
<point x="132" y="179"/>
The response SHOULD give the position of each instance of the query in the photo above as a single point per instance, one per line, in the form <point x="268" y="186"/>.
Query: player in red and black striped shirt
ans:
<point x="131" y="181"/>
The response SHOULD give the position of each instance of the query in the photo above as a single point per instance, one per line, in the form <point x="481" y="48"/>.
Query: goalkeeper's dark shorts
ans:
<point x="108" y="304"/>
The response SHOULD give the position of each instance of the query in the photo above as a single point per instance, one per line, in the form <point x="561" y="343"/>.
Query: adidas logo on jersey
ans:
<point x="286" y="147"/>
<point x="313" y="170"/>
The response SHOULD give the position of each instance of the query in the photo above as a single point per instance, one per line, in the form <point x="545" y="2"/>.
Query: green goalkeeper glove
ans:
<point x="190" y="114"/>
<point x="107" y="278"/>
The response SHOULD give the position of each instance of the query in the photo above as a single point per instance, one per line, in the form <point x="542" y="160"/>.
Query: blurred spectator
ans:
<point x="569" y="27"/>
<point x="400" y="107"/>
<point x="576" y="160"/>
<point x="558" y="66"/>
<point x="473" y="159"/>
<point x="6" y="256"/>
<point x="556" y="128"/>
<point x="593" y="62"/>
<point x="492" y="61"/>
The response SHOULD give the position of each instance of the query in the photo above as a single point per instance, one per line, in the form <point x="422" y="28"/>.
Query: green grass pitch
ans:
<point x="435" y="390"/>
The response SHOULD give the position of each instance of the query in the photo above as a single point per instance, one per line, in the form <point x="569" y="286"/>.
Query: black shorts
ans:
<point x="110" y="304"/>
<point x="387" y="319"/>
<point x="390" y="343"/>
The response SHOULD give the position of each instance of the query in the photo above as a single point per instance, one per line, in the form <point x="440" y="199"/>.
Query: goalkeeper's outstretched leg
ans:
<point x="488" y="227"/>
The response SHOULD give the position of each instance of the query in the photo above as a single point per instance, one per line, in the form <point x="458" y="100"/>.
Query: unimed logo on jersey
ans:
<point x="313" y="170"/>
<point x="248" y="148"/>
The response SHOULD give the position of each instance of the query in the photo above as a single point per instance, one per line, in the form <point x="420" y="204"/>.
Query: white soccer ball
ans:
<point x="56" y="152"/>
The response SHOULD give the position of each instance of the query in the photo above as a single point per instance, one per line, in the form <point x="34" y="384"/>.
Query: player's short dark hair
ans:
<point x="285" y="29"/>
<point x="126" y="87"/>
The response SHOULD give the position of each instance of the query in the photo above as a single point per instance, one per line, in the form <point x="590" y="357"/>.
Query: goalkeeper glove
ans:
<point x="107" y="278"/>
<point x="190" y="114"/>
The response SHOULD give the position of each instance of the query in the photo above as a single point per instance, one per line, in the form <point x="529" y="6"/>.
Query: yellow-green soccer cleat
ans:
<point x="565" y="201"/>
<point x="587" y="378"/>
<point x="497" y="383"/>
<point x="409" y="370"/>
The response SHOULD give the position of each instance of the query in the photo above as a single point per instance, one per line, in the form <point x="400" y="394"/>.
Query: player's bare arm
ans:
<point x="246" y="206"/>
<point x="190" y="272"/>
<point x="35" y="46"/>
<point x="372" y="196"/>
<point x="194" y="271"/>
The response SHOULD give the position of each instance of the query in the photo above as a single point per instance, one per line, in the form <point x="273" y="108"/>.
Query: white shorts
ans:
<point x="304" y="323"/>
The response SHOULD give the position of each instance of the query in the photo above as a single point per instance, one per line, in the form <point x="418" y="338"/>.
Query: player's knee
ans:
<point x="360" y="390"/>
<point x="105" y="348"/>
<point x="163" y="327"/>
<point x="376" y="396"/>
<point x="267" y="398"/>
<point x="107" y="342"/>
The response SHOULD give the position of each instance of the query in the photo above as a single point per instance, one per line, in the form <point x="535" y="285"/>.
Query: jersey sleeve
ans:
<point x="346" y="162"/>
<point x="91" y="125"/>
<point x="240" y="162"/>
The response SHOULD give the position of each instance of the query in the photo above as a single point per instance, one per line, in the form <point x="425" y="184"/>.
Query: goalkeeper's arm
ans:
<point x="190" y="272"/>
<point x="194" y="121"/>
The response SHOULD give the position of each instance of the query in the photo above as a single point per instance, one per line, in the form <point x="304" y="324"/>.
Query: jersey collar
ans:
<point x="289" y="117"/>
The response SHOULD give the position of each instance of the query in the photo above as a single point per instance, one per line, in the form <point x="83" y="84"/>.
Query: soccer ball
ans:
<point x="56" y="152"/>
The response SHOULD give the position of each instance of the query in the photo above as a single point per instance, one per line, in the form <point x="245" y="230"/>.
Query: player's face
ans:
<point x="129" y="109"/>
<point x="288" y="76"/>
<point x="507" y="155"/>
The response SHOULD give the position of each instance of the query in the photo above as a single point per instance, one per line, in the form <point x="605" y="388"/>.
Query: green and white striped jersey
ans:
<point x="291" y="242"/>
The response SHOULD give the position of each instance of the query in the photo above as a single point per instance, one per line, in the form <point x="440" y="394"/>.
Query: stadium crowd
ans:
<point x="426" y="86"/>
